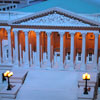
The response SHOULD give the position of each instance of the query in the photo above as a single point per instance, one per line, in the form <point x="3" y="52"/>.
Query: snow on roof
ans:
<point x="95" y="17"/>
<point x="11" y="15"/>
<point x="6" y="16"/>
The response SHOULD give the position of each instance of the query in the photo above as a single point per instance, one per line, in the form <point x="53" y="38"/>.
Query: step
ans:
<point x="4" y="93"/>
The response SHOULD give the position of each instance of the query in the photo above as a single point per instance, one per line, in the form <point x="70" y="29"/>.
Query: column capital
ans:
<point x="83" y="34"/>
<point x="37" y="33"/>
<point x="96" y="35"/>
<point x="48" y="33"/>
<point x="8" y="30"/>
<point x="15" y="32"/>
<point x="62" y="34"/>
<point x="72" y="34"/>
<point x="26" y="33"/>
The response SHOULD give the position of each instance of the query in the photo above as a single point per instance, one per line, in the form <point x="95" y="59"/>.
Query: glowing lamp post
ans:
<point x="86" y="77"/>
<point x="8" y="74"/>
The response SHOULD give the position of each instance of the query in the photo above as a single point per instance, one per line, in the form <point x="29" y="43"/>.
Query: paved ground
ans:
<point x="49" y="85"/>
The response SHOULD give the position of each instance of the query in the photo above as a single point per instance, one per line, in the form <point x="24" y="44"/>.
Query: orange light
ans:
<point x="86" y="76"/>
<point x="8" y="74"/>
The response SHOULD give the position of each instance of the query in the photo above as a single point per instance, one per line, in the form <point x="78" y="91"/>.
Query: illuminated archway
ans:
<point x="32" y="45"/>
<point x="55" y="46"/>
<point x="67" y="45"/>
<point x="90" y="40"/>
<point x="77" y="46"/>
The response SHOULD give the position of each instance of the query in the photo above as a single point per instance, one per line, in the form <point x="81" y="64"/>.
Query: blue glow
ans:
<point x="78" y="6"/>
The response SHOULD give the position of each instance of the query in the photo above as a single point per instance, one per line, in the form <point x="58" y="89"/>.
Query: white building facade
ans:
<point x="16" y="1"/>
<point x="54" y="38"/>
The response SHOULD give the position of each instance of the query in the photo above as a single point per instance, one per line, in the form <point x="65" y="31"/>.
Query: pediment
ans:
<point x="56" y="20"/>
<point x="55" y="17"/>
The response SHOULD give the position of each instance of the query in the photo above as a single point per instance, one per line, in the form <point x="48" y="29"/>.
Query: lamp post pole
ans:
<point x="85" y="89"/>
<point x="8" y="88"/>
<point x="86" y="77"/>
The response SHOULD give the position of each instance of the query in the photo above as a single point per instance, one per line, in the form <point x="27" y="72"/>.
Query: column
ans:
<point x="0" y="51"/>
<point x="61" y="49"/>
<point x="95" y="52"/>
<point x="72" y="52"/>
<point x="30" y="54"/>
<point x="38" y="49"/>
<point x="83" y="67"/>
<point x="9" y="46"/>
<point x="16" y="47"/>
<point x="26" y="49"/>
<point x="48" y="48"/>
<point x="20" y="54"/>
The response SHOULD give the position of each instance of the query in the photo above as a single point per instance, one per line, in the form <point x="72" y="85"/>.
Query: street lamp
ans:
<point x="3" y="77"/>
<point x="8" y="74"/>
<point x="86" y="77"/>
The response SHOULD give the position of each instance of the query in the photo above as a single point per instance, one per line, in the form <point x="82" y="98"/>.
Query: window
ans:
<point x="68" y="55"/>
<point x="91" y="36"/>
<point x="80" y="36"/>
<point x="79" y="56"/>
<point x="3" y="9"/>
<point x="68" y="36"/>
<point x="58" y="54"/>
<point x="7" y="53"/>
<point x="90" y="56"/>
<point x="7" y="8"/>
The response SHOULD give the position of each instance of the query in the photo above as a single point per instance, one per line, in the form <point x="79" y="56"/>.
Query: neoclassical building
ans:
<point x="16" y="1"/>
<point x="53" y="38"/>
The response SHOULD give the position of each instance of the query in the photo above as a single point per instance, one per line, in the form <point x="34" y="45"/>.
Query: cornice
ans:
<point x="53" y="28"/>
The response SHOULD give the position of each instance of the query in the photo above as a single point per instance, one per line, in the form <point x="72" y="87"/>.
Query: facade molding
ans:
<point x="6" y="27"/>
<point x="54" y="30"/>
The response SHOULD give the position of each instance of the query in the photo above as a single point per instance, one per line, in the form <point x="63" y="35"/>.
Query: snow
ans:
<point x="49" y="85"/>
<point x="11" y="15"/>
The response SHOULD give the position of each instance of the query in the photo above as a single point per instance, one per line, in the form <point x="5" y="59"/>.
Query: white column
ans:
<point x="23" y="56"/>
<point x="83" y="67"/>
<point x="0" y="51"/>
<point x="20" y="54"/>
<point x="26" y="49"/>
<point x="16" y="47"/>
<point x="38" y="49"/>
<point x="95" y="51"/>
<point x="41" y="55"/>
<point x="13" y="54"/>
<point x="9" y="46"/>
<point x="48" y="48"/>
<point x="61" y="50"/>
<point x="72" y="52"/>
<point x="30" y="54"/>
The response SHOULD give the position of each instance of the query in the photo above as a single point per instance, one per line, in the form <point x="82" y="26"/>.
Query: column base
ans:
<point x="16" y="64"/>
<point x="26" y="65"/>
<point x="48" y="66"/>
<point x="83" y="67"/>
<point x="71" y="66"/>
<point x="37" y="66"/>
<point x="95" y="67"/>
<point x="61" y="66"/>
<point x="98" y="67"/>
<point x="10" y="61"/>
